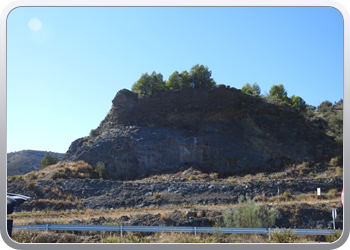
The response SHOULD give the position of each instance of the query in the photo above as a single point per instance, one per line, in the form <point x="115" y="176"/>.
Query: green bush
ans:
<point x="283" y="236"/>
<point x="100" y="169"/>
<point x="332" y="193"/>
<point x="249" y="214"/>
<point x="335" y="235"/>
<point x="48" y="160"/>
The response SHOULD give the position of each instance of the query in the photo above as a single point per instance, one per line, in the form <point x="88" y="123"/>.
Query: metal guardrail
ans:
<point x="195" y="230"/>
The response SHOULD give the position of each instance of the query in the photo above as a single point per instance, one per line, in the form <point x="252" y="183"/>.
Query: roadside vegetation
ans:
<point x="247" y="210"/>
<point x="285" y="236"/>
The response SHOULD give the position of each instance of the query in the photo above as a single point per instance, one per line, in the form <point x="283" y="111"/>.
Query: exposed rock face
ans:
<point x="218" y="130"/>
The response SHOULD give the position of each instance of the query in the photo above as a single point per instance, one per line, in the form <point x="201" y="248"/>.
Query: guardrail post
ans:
<point x="121" y="231"/>
<point x="269" y="234"/>
<point x="195" y="231"/>
<point x="47" y="227"/>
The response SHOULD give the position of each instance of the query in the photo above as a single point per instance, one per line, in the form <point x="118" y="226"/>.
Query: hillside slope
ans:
<point x="25" y="161"/>
<point x="214" y="130"/>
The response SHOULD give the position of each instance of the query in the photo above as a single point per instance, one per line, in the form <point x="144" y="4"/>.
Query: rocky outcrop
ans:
<point x="215" y="130"/>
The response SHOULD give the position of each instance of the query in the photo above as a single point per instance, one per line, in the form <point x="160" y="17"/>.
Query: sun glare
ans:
<point x="34" y="24"/>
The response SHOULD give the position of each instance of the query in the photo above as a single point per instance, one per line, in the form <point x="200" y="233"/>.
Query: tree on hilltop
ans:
<point x="251" y="89"/>
<point x="179" y="80"/>
<point x="198" y="77"/>
<point x="149" y="84"/>
<point x="201" y="77"/>
<point x="298" y="103"/>
<point x="279" y="92"/>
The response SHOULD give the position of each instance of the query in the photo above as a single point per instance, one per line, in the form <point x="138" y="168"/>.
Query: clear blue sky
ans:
<point x="65" y="65"/>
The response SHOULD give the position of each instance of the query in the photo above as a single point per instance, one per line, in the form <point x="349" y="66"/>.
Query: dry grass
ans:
<point x="129" y="237"/>
<point x="63" y="216"/>
<point x="62" y="170"/>
<point x="304" y="170"/>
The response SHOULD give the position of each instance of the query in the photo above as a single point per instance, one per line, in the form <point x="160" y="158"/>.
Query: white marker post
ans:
<point x="318" y="191"/>
<point x="334" y="215"/>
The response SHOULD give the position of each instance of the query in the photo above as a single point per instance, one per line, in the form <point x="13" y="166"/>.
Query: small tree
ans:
<point x="298" y="103"/>
<point x="201" y="77"/>
<point x="48" y="160"/>
<point x="278" y="90"/>
<point x="149" y="84"/>
<point x="280" y="93"/>
<point x="325" y="106"/>
<point x="179" y="80"/>
<point x="251" y="89"/>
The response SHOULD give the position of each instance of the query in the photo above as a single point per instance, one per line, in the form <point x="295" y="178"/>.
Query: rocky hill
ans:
<point x="217" y="130"/>
<point x="25" y="161"/>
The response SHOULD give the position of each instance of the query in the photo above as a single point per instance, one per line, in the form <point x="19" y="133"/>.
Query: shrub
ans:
<point x="287" y="195"/>
<point x="283" y="236"/>
<point x="100" y="169"/>
<point x="191" y="177"/>
<point x="335" y="161"/>
<point x="335" y="235"/>
<point x="47" y="237"/>
<point x="232" y="180"/>
<point x="339" y="170"/>
<point x="214" y="175"/>
<point x="303" y="197"/>
<point x="249" y="214"/>
<point x="332" y="193"/>
<point x="24" y="236"/>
